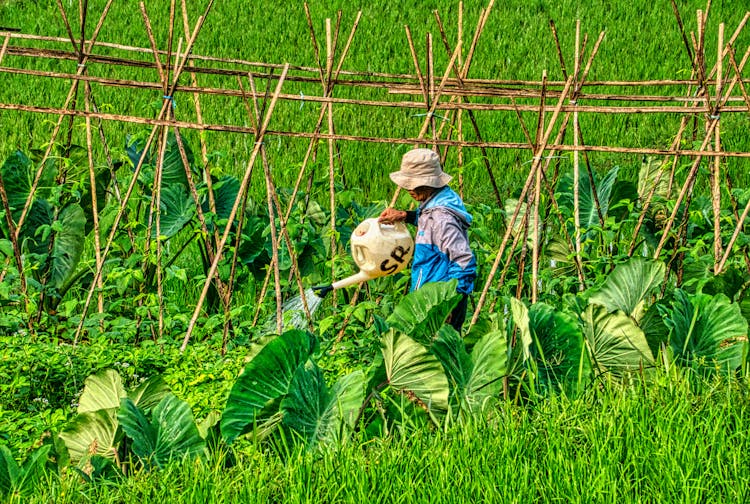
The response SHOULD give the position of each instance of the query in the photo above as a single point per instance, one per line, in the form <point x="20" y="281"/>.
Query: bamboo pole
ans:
<point x="712" y="123"/>
<point x="576" y="157"/>
<point x="716" y="173"/>
<point x="162" y="114"/>
<point x="243" y="189"/>
<point x="534" y="206"/>
<point x="461" y="71"/>
<point x="94" y="202"/>
<point x="537" y="161"/>
<point x="56" y="129"/>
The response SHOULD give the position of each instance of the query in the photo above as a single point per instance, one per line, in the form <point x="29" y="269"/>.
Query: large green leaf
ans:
<point x="629" y="285"/>
<point x="101" y="391"/>
<point x="511" y="204"/>
<point x="318" y="414"/>
<point x="473" y="377"/>
<point x="68" y="245"/>
<point x="9" y="471"/>
<point x="519" y="332"/>
<point x="36" y="231"/>
<point x="423" y="312"/>
<point x="559" y="349"/>
<point x="651" y="169"/>
<point x="589" y="216"/>
<point x="489" y="359"/>
<point x="415" y="372"/>
<point x="177" y="210"/>
<point x="149" y="393"/>
<point x="173" y="170"/>
<point x="91" y="433"/>
<point x="16" y="172"/>
<point x="226" y="190"/>
<point x="21" y="480"/>
<point x="450" y="350"/>
<point x="171" y="433"/>
<point x="706" y="330"/>
<point x="266" y="378"/>
<point x="616" y="344"/>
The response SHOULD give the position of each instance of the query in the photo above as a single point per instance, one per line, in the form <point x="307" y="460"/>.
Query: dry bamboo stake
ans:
<point x="56" y="129"/>
<point x="394" y="140"/>
<point x="431" y="81"/>
<point x="94" y="202"/>
<point x="444" y="106"/>
<point x="274" y="250"/>
<point x="683" y="124"/>
<point x="733" y="61"/>
<point x="461" y="71"/>
<point x="712" y="123"/>
<point x="537" y="161"/>
<point x="310" y="148"/>
<point x="115" y="225"/>
<point x="524" y="249"/>
<point x="459" y="114"/>
<point x="417" y="67"/>
<point x="366" y="83"/>
<point x="331" y="170"/>
<point x="436" y="97"/>
<point x="716" y="178"/>
<point x="243" y="188"/>
<point x="199" y="118"/>
<point x="270" y="191"/>
<point x="79" y="57"/>
<point x="551" y="196"/>
<point x="126" y="198"/>
<point x="4" y="48"/>
<point x="431" y="111"/>
<point x="535" y="204"/>
<point x="156" y="210"/>
<point x="576" y="157"/>
<point x="170" y="38"/>
<point x="682" y="30"/>
<point x="735" y="235"/>
<point x="8" y="215"/>
<point x="316" y="49"/>
<point x="13" y="240"/>
<point x="735" y="212"/>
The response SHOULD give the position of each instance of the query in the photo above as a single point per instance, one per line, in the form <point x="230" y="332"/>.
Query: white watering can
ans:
<point x="378" y="249"/>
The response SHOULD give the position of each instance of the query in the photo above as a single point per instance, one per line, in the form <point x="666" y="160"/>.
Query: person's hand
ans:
<point x="391" y="215"/>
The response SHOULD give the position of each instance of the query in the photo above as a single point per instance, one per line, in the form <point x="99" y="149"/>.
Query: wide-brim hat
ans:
<point x="420" y="167"/>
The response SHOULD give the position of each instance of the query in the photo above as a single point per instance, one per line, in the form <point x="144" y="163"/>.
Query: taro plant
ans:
<point x="282" y="391"/>
<point x="427" y="369"/>
<point x="19" y="479"/>
<point x="705" y="332"/>
<point x="158" y="426"/>
<point x="53" y="234"/>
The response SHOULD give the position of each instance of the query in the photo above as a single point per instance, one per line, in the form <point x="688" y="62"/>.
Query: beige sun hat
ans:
<point x="420" y="167"/>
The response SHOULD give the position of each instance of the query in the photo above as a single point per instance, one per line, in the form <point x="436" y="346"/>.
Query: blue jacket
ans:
<point x="442" y="250"/>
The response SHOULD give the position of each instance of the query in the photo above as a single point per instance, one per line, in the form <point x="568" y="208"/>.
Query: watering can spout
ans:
<point x="322" y="290"/>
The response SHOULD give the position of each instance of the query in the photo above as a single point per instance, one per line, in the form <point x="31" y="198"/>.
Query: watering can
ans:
<point x="378" y="249"/>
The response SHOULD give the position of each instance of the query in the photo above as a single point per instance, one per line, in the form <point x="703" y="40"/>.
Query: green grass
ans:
<point x="642" y="42"/>
<point x="658" y="443"/>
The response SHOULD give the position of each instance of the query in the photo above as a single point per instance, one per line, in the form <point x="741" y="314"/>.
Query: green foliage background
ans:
<point x="642" y="42"/>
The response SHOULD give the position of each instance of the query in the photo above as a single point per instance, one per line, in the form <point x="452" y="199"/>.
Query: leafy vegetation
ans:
<point x="634" y="366"/>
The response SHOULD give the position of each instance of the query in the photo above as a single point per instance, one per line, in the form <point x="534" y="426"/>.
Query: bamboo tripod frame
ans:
<point x="446" y="99"/>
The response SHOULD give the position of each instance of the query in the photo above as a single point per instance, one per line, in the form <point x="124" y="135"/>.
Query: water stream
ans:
<point x="293" y="312"/>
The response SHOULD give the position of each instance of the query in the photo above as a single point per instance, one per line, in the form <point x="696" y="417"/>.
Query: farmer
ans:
<point x="442" y="250"/>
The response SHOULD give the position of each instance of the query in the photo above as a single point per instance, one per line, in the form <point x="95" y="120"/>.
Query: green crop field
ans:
<point x="605" y="354"/>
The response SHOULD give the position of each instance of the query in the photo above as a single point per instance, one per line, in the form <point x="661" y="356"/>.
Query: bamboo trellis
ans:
<point x="445" y="98"/>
